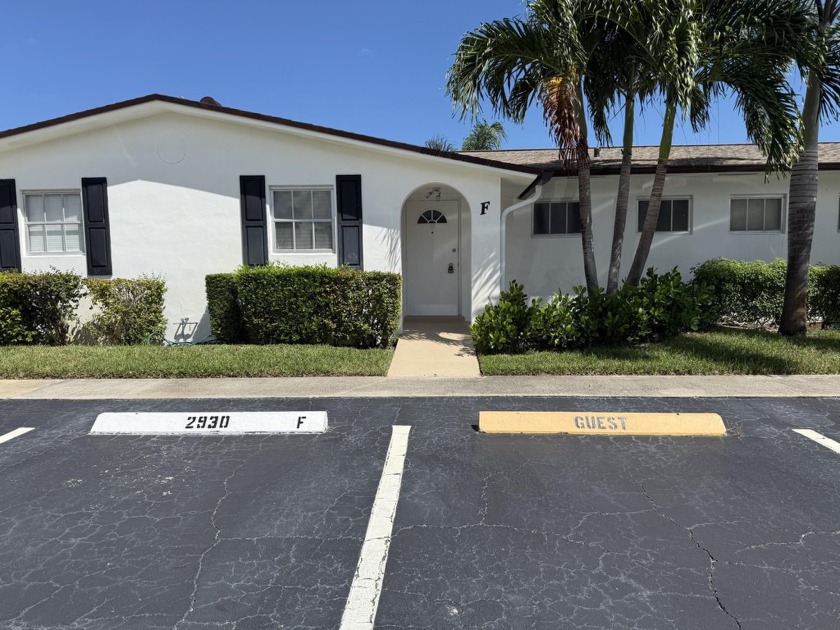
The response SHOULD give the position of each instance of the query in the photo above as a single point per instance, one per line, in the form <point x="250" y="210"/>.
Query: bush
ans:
<point x="12" y="329"/>
<point x="315" y="305"/>
<point x="746" y="292"/>
<point x="46" y="302"/>
<point x="129" y="312"/>
<point x="824" y="295"/>
<point x="223" y="307"/>
<point x="752" y="292"/>
<point x="661" y="306"/>
<point x="504" y="327"/>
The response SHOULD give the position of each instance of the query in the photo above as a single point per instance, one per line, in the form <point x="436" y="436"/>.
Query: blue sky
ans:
<point x="371" y="66"/>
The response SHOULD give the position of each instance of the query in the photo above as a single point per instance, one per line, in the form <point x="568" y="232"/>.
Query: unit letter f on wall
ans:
<point x="485" y="206"/>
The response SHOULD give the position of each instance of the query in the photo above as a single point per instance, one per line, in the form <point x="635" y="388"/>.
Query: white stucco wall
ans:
<point x="546" y="264"/>
<point x="173" y="186"/>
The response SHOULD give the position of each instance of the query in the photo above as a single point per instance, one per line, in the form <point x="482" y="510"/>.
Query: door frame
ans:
<point x="406" y="246"/>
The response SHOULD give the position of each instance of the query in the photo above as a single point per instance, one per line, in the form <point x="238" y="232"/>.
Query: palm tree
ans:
<point x="700" y="49"/>
<point x="440" y="143"/>
<point x="822" y="99"/>
<point x="485" y="137"/>
<point x="514" y="62"/>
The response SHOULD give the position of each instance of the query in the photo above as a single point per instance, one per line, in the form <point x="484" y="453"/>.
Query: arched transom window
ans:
<point x="432" y="216"/>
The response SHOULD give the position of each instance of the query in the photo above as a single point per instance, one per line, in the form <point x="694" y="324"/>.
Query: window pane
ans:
<point x="53" y="208"/>
<point x="323" y="236"/>
<point x="773" y="215"/>
<point x="283" y="204"/>
<point x="72" y="208"/>
<point x="680" y="215"/>
<point x="34" y="208"/>
<point x="322" y="204"/>
<point x="303" y="204"/>
<point x="755" y="214"/>
<point x="303" y="234"/>
<point x="558" y="218"/>
<point x="643" y="208"/>
<point x="283" y="236"/>
<point x="540" y="218"/>
<point x="55" y="240"/>
<point x="738" y="215"/>
<point x="663" y="222"/>
<point x="574" y="218"/>
<point x="73" y="238"/>
<point x="36" y="239"/>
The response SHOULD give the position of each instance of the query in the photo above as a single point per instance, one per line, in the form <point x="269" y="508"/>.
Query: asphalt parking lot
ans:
<point x="491" y="531"/>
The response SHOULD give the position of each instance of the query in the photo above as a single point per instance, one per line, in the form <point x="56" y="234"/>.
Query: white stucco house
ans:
<point x="181" y="188"/>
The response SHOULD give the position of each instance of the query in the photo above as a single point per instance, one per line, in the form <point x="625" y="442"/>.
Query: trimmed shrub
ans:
<point x="746" y="292"/>
<point x="46" y="301"/>
<point x="128" y="311"/>
<point x="824" y="295"/>
<point x="313" y="305"/>
<point x="752" y="292"/>
<point x="223" y="307"/>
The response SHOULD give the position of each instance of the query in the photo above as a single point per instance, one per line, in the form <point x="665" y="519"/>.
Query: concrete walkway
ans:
<point x="381" y="387"/>
<point x="434" y="346"/>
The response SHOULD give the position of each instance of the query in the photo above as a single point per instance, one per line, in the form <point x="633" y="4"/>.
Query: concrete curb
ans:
<point x="382" y="387"/>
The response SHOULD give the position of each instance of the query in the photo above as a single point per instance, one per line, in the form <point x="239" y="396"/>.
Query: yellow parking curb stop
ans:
<point x="601" y="423"/>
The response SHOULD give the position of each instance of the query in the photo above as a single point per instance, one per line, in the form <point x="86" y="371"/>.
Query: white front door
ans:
<point x="432" y="258"/>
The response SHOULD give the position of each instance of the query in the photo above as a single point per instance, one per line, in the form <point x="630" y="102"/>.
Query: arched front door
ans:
<point x="431" y="278"/>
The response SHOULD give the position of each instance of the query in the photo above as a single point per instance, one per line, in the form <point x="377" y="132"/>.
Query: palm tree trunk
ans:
<point x="623" y="195"/>
<point x="649" y="227"/>
<point x="802" y="206"/>
<point x="585" y="198"/>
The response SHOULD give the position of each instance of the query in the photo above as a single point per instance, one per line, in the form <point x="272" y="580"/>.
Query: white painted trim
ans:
<point x="363" y="600"/>
<point x="272" y="220"/>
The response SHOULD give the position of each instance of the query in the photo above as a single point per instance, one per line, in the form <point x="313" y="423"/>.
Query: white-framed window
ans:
<point x="756" y="214"/>
<point x="303" y="219"/>
<point x="556" y="217"/>
<point x="53" y="222"/>
<point x="674" y="214"/>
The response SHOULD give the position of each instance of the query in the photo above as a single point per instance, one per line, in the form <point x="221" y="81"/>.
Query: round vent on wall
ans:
<point x="171" y="148"/>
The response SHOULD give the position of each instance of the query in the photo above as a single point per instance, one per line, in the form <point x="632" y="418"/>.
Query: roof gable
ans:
<point x="205" y="106"/>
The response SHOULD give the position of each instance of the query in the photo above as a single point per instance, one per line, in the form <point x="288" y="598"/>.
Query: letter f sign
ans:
<point x="485" y="206"/>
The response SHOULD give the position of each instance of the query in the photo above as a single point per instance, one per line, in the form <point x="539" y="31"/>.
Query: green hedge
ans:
<point x="127" y="311"/>
<point x="223" y="307"/>
<point x="45" y="304"/>
<point x="313" y="305"/>
<point x="752" y="292"/>
<point x="662" y="306"/>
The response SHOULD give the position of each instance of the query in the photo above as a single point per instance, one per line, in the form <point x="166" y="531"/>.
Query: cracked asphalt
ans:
<point x="491" y="531"/>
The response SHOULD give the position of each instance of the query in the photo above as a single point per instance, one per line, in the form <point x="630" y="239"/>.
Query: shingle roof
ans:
<point x="697" y="158"/>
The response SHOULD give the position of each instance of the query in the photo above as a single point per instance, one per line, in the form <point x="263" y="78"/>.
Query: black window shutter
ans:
<point x="9" y="239"/>
<point x="254" y="230"/>
<point x="97" y="226"/>
<point x="349" y="196"/>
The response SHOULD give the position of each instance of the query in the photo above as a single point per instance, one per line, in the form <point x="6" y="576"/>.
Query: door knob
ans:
<point x="451" y="268"/>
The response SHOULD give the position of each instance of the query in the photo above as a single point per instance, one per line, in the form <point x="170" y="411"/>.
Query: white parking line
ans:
<point x="820" y="439"/>
<point x="11" y="435"/>
<point x="363" y="600"/>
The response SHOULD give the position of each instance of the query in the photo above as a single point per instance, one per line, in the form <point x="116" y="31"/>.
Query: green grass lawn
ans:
<point x="189" y="361"/>
<point x="721" y="351"/>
